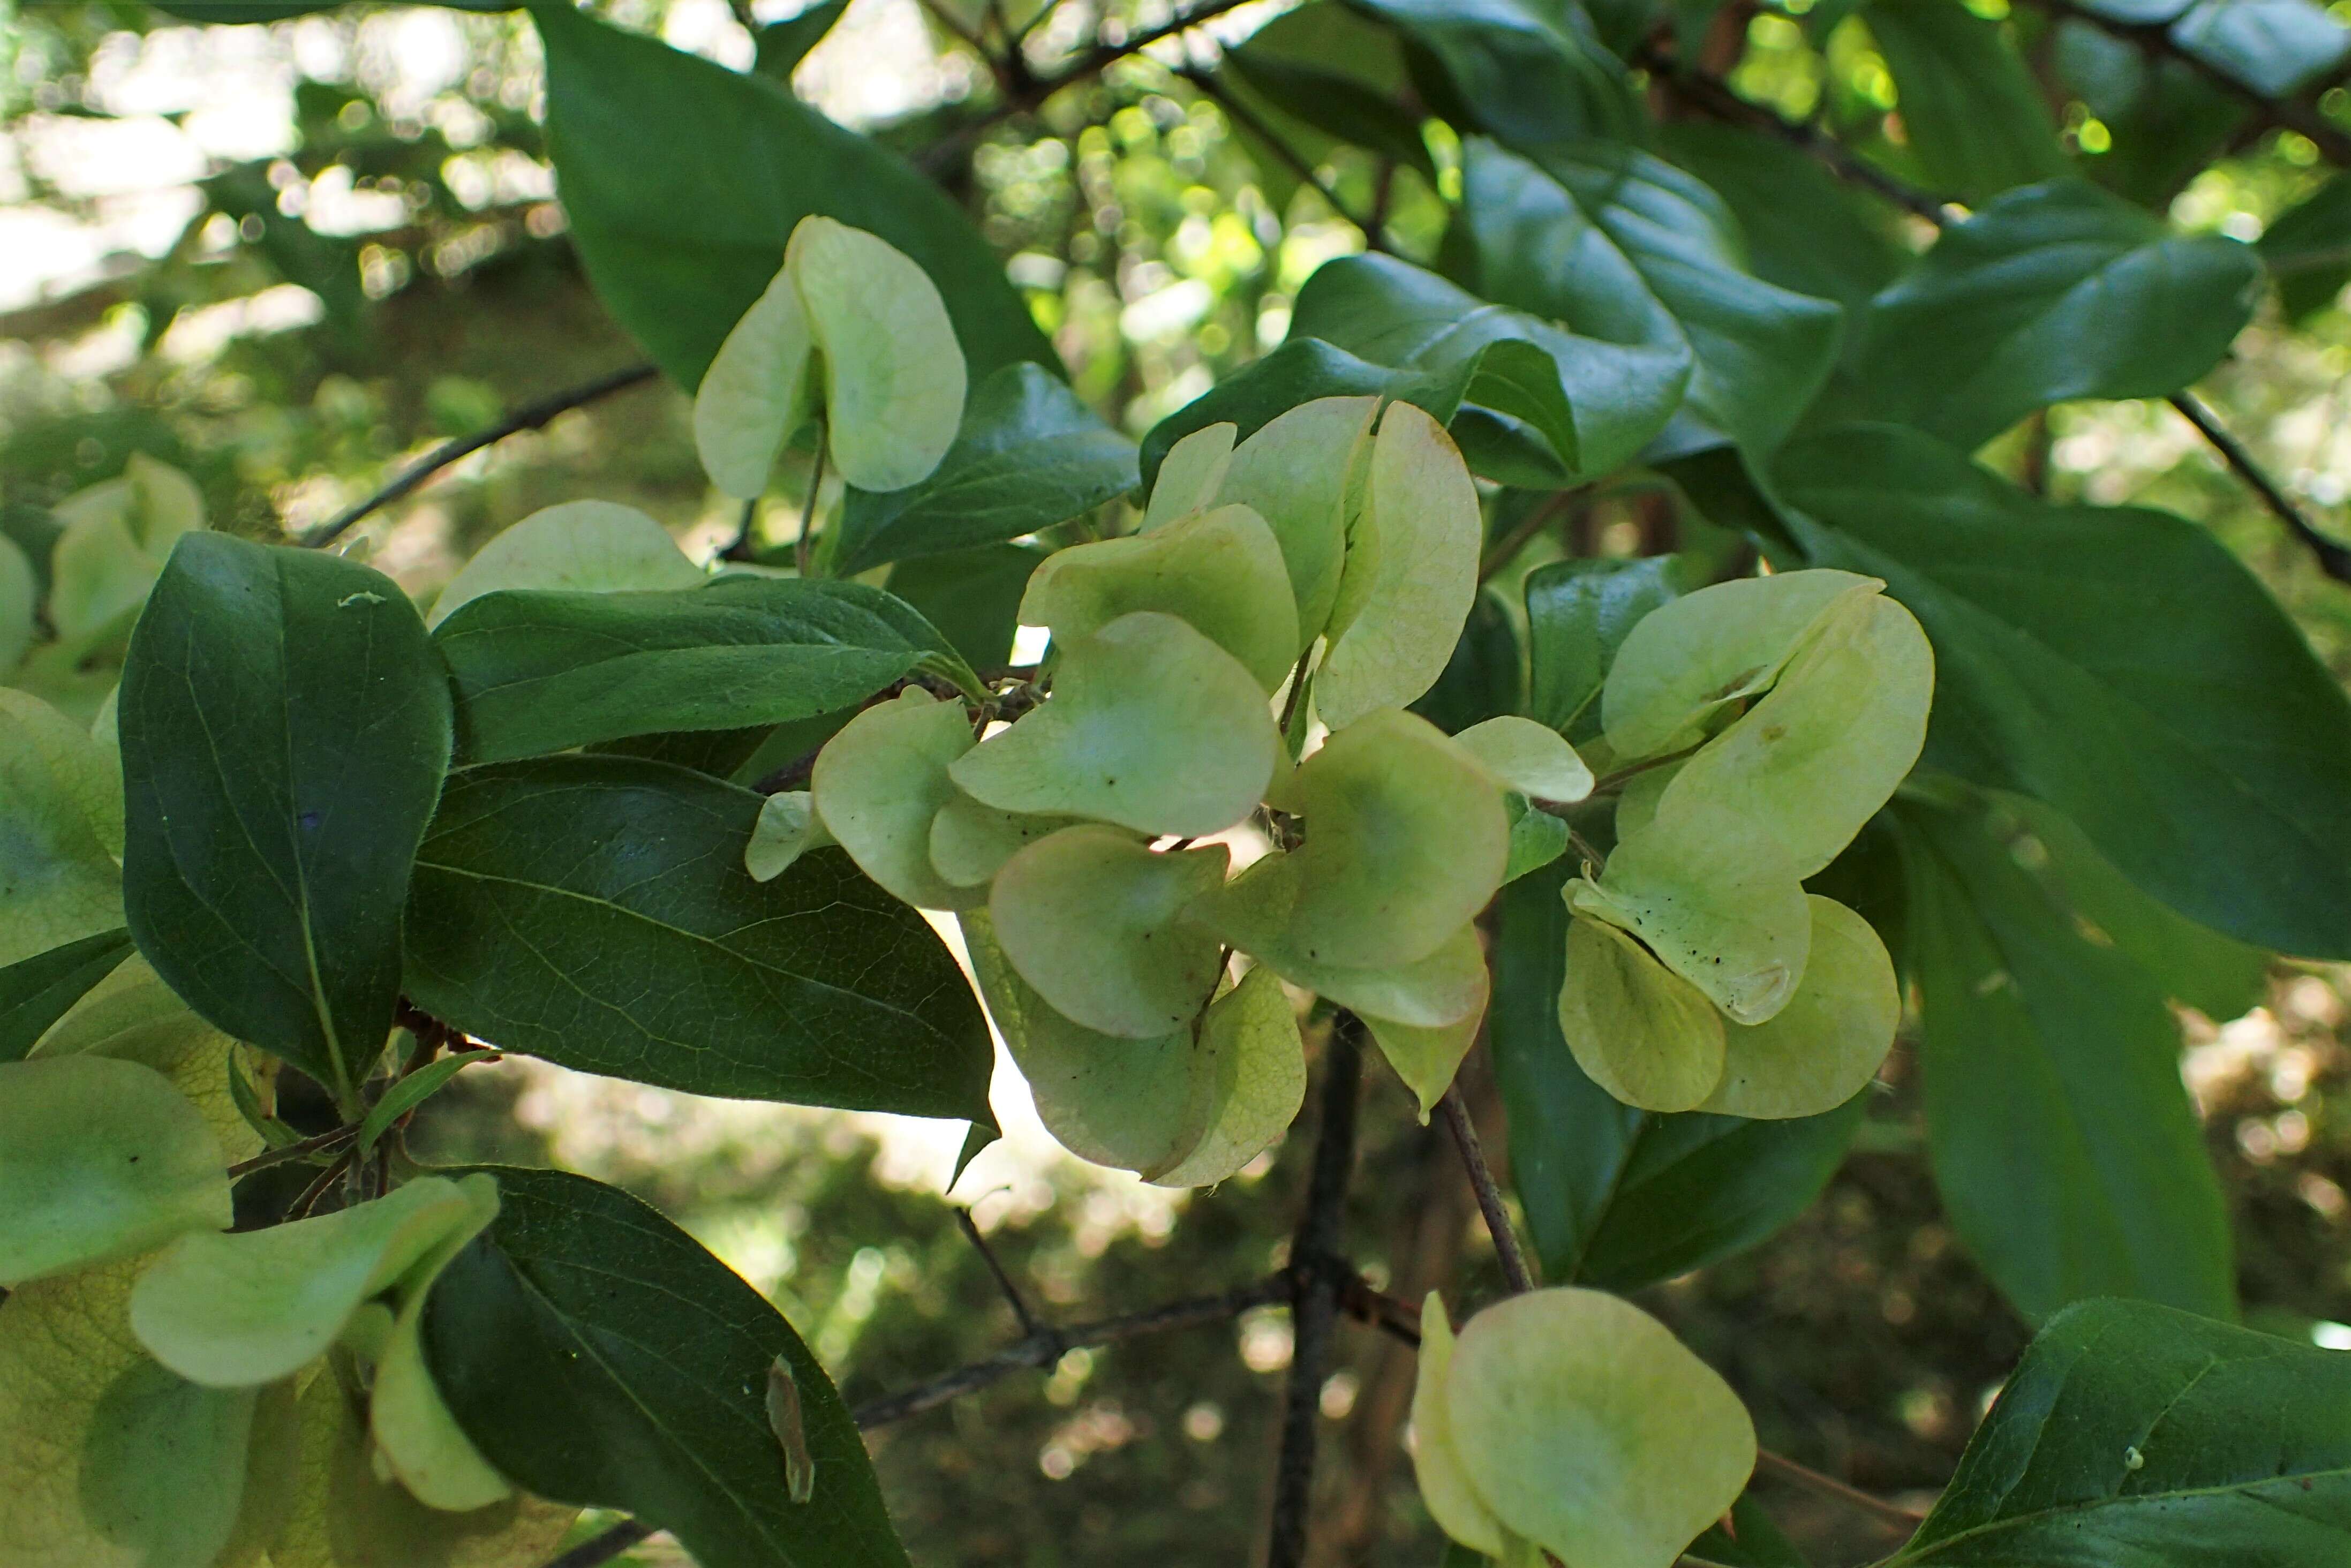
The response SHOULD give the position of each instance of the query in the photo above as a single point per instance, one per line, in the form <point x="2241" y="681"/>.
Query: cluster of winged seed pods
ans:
<point x="1768" y="719"/>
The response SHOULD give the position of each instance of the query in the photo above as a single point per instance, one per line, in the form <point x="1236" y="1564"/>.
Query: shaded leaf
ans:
<point x="2308" y="249"/>
<point x="1579" y="612"/>
<point x="1973" y="116"/>
<point x="35" y="992"/>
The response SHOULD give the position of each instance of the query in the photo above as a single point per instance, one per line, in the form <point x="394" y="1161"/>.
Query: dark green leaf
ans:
<point x="595" y="911"/>
<point x="1030" y="455"/>
<point x="782" y="45"/>
<point x="412" y="1089"/>
<point x="2274" y="47"/>
<point x="2135" y="1437"/>
<point x="2063" y="1144"/>
<point x="721" y="753"/>
<point x="1324" y="73"/>
<point x="2309" y="248"/>
<point x="2116" y="663"/>
<point x="1633" y="250"/>
<point x="1805" y="230"/>
<point x="284" y="726"/>
<point x="2166" y="117"/>
<point x="537" y="671"/>
<point x="1615" y="1197"/>
<point x="1758" y="1543"/>
<point x="1525" y="70"/>
<point x="1579" y="614"/>
<point x="598" y="1355"/>
<point x="2055" y="292"/>
<point x="682" y="180"/>
<point x="973" y="597"/>
<point x="37" y="991"/>
<point x="1970" y="111"/>
<point x="1485" y="677"/>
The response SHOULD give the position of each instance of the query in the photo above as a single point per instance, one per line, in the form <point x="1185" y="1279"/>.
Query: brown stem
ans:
<point x="1788" y="1470"/>
<point x="2333" y="557"/>
<point x="1254" y="124"/>
<point x="1028" y="1320"/>
<point x="291" y="1152"/>
<point x="1515" y="1271"/>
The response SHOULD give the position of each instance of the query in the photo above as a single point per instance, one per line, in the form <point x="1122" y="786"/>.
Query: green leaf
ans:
<point x="1485" y="678"/>
<point x="972" y="596"/>
<point x="412" y="1089"/>
<point x="1030" y="455"/>
<point x="1806" y="231"/>
<point x="2133" y="1434"/>
<point x="684" y="180"/>
<point x="595" y="911"/>
<point x="1760" y="1542"/>
<point x="2053" y="292"/>
<point x="100" y="1159"/>
<point x="2099" y="659"/>
<point x="1640" y="254"/>
<point x="2274" y="47"/>
<point x="35" y="992"/>
<point x="598" y="1355"/>
<point x="1326" y="73"/>
<point x="580" y="546"/>
<point x="1525" y="70"/>
<point x="540" y="671"/>
<point x="2063" y="1144"/>
<point x="2308" y="249"/>
<point x="1616" y="1196"/>
<point x="284" y="726"/>
<point x="1973" y="115"/>
<point x="782" y="45"/>
<point x="1579" y="614"/>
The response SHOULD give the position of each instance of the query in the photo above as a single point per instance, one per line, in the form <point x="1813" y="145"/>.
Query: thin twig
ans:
<point x="1539" y="517"/>
<point x="1314" y="1258"/>
<point x="598" y="1550"/>
<point x="1515" y="1271"/>
<point x="1029" y="1322"/>
<point x="2333" y="557"/>
<point x="1254" y="124"/>
<point x="310" y="1195"/>
<point x="289" y="1152"/>
<point x="1788" y="1470"/>
<point x="530" y="416"/>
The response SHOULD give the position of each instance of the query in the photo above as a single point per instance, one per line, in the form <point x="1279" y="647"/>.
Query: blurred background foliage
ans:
<point x="286" y="257"/>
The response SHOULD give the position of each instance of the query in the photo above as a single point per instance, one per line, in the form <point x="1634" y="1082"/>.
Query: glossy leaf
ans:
<point x="411" y="1089"/>
<point x="2274" y="47"/>
<point x="2063" y="1144"/>
<point x="1607" y="234"/>
<point x="2307" y="248"/>
<point x="1579" y="614"/>
<point x="1586" y="1428"/>
<point x="1973" y="116"/>
<point x="2104" y="670"/>
<point x="1806" y="230"/>
<point x="100" y="1159"/>
<point x="576" y="546"/>
<point x="1220" y="572"/>
<point x="1030" y="455"/>
<point x="1093" y="920"/>
<point x="284" y="726"/>
<point x="594" y="911"/>
<point x="2056" y="291"/>
<point x="1517" y="69"/>
<point x="239" y="1310"/>
<point x="1410" y="575"/>
<point x="2121" y="1437"/>
<point x="972" y="596"/>
<point x="35" y="992"/>
<point x="1324" y="73"/>
<point x="1537" y="838"/>
<point x="598" y="1355"/>
<point x="1614" y="1195"/>
<point x="879" y="783"/>
<point x="1151" y="726"/>
<point x="542" y="672"/>
<point x="684" y="180"/>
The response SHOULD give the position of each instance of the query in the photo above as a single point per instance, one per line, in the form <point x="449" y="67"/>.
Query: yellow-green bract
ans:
<point x="117" y="536"/>
<point x="879" y="783"/>
<point x="1573" y="1421"/>
<point x="585" y="547"/>
<point x="850" y="332"/>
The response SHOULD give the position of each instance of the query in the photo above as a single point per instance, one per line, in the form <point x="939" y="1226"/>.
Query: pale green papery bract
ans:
<point x="1639" y="1030"/>
<point x="1585" y="1426"/>
<point x="100" y="1159"/>
<point x="1302" y="472"/>
<point x="1415" y="549"/>
<point x="1406" y="841"/>
<point x="1532" y="758"/>
<point x="1190" y="475"/>
<point x="1219" y="571"/>
<point x="1716" y="899"/>
<point x="880" y="782"/>
<point x="970" y="842"/>
<point x="418" y="1438"/>
<point x="1091" y="920"/>
<point x="1820" y="1050"/>
<point x="849" y="330"/>
<point x="1826" y="746"/>
<point x="235" y="1311"/>
<point x="1150" y="726"/>
<point x="1248" y="1079"/>
<point x="787" y="829"/>
<point x="582" y="547"/>
<point x="60" y="817"/>
<point x="1451" y="1497"/>
<point x="1426" y="1057"/>
<point x="1445" y="987"/>
<point x="116" y="535"/>
<point x="1690" y="656"/>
